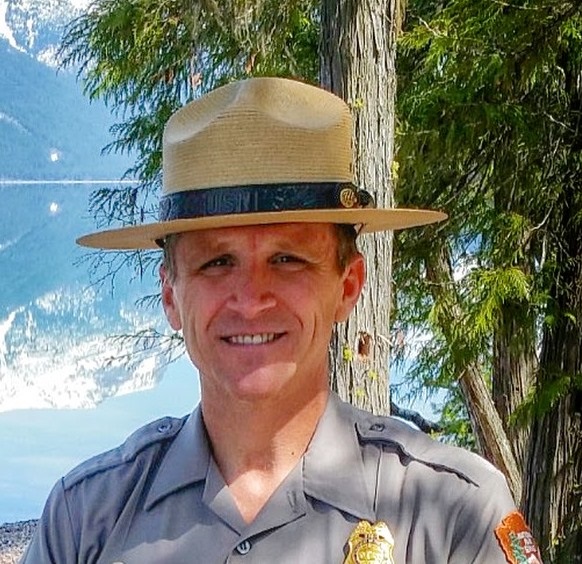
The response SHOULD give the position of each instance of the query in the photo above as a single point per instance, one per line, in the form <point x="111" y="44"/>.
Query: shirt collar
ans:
<point x="333" y="467"/>
<point x="334" y="470"/>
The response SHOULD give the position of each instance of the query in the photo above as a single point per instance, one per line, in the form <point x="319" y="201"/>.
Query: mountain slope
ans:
<point x="48" y="129"/>
<point x="56" y="327"/>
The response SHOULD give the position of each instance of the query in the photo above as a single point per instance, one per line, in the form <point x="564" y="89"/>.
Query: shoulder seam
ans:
<point x="160" y="430"/>
<point x="391" y="432"/>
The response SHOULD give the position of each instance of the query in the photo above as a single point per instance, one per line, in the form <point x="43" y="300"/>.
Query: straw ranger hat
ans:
<point x="259" y="151"/>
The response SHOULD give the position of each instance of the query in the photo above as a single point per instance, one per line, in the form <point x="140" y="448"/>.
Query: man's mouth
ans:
<point x="254" y="339"/>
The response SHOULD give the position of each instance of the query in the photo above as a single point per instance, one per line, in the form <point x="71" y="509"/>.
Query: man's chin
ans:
<point x="263" y="382"/>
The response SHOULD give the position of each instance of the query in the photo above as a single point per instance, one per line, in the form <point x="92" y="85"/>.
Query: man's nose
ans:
<point x="252" y="292"/>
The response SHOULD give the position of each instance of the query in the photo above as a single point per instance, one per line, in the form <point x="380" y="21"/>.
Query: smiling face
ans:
<point x="256" y="306"/>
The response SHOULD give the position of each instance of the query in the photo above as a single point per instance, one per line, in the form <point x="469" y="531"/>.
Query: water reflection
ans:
<point x="39" y="446"/>
<point x="55" y="352"/>
<point x="55" y="326"/>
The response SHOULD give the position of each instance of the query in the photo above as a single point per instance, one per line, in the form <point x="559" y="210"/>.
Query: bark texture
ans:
<point x="358" y="50"/>
<point x="514" y="368"/>
<point x="554" y="471"/>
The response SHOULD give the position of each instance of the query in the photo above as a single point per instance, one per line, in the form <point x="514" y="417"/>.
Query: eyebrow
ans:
<point x="280" y="241"/>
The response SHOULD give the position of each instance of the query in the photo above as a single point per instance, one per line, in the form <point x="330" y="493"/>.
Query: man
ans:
<point x="258" y="223"/>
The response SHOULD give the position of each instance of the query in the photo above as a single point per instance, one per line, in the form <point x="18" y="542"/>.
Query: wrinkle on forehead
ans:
<point x="286" y="236"/>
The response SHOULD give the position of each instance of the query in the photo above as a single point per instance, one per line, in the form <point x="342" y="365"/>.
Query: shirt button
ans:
<point x="164" y="427"/>
<point x="244" y="547"/>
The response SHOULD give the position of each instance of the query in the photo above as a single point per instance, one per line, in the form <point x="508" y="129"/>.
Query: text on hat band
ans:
<point x="261" y="198"/>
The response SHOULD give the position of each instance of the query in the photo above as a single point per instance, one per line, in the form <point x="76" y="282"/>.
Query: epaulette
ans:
<point x="150" y="434"/>
<point x="415" y="445"/>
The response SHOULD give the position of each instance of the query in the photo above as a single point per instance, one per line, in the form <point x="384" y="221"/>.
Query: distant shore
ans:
<point x="14" y="538"/>
<point x="6" y="181"/>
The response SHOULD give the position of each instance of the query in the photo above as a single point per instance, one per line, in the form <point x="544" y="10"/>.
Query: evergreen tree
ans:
<point x="490" y="100"/>
<point x="358" y="54"/>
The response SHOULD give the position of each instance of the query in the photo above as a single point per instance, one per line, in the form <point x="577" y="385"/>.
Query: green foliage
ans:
<point x="145" y="58"/>
<point x="490" y="289"/>
<point x="488" y="129"/>
<point x="455" y="422"/>
<point x="543" y="397"/>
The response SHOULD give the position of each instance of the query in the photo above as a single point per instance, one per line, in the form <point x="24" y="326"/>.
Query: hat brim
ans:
<point x="372" y="220"/>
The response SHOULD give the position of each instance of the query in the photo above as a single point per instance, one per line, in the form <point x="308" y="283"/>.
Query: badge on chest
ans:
<point x="370" y="544"/>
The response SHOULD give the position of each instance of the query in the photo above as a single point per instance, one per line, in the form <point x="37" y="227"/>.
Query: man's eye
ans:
<point x="287" y="259"/>
<point x="217" y="262"/>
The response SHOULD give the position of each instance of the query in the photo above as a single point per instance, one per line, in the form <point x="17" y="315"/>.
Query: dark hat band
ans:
<point x="259" y="198"/>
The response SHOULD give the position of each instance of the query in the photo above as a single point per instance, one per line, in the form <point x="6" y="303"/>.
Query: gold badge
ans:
<point x="370" y="544"/>
<point x="348" y="198"/>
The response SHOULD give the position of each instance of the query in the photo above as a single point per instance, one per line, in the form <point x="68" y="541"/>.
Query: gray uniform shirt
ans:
<point x="160" y="498"/>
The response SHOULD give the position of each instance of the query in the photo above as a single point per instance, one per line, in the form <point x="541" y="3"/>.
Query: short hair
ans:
<point x="346" y="236"/>
<point x="347" y="246"/>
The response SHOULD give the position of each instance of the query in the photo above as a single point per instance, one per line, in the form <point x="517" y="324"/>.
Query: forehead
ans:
<point x="289" y="235"/>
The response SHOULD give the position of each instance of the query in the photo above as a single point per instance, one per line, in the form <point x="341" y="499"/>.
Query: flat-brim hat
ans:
<point x="259" y="151"/>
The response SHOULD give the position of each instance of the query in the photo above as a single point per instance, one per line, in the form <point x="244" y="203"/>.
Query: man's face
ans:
<point x="257" y="304"/>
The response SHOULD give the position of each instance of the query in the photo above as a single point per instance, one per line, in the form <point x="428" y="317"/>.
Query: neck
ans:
<point x="257" y="444"/>
<point x="260" y="434"/>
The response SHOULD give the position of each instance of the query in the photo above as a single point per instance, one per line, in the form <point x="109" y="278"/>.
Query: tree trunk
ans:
<point x="514" y="359"/>
<point x="358" y="50"/>
<point x="487" y="426"/>
<point x="554" y="473"/>
<point x="514" y="369"/>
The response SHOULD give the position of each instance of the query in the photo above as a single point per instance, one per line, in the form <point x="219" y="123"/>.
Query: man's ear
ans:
<point x="168" y="300"/>
<point x="353" y="280"/>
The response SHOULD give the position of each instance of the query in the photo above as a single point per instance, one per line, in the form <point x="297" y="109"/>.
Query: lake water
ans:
<point x="54" y="348"/>
<point x="38" y="446"/>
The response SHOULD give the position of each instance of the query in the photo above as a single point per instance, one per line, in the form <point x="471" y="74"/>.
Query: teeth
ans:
<point x="258" y="339"/>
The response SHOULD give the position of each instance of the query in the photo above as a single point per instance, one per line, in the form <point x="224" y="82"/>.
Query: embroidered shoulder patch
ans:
<point x="516" y="540"/>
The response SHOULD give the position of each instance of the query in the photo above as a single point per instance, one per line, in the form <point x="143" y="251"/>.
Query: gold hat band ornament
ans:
<point x="255" y="152"/>
<point x="370" y="544"/>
